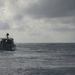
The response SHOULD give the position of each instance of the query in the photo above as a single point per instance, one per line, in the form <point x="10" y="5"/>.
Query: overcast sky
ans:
<point x="39" y="21"/>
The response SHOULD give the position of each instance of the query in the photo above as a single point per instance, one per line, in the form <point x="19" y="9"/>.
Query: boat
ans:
<point x="7" y="43"/>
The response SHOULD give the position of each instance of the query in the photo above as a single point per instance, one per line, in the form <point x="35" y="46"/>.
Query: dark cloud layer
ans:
<point x="52" y="8"/>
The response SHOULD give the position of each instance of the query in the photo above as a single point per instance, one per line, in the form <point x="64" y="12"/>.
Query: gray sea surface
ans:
<point x="39" y="59"/>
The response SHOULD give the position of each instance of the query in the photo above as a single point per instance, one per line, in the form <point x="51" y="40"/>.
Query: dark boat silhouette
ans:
<point x="7" y="43"/>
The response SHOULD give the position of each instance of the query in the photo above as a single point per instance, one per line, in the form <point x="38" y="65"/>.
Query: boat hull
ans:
<point x="8" y="47"/>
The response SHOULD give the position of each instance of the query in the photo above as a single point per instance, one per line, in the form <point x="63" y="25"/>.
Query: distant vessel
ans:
<point x="7" y="43"/>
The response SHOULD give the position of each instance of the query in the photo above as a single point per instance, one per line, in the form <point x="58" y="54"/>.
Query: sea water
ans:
<point x="39" y="59"/>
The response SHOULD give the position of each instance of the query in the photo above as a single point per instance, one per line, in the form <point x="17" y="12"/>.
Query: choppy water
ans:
<point x="39" y="59"/>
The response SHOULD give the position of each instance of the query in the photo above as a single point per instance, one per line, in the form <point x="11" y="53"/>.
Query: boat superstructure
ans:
<point x="7" y="43"/>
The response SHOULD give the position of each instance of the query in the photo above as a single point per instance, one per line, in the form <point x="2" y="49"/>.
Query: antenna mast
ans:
<point x="7" y="35"/>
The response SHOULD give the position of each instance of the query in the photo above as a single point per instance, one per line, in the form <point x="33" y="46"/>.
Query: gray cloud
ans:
<point x="56" y="19"/>
<point x="52" y="8"/>
<point x="15" y="13"/>
<point x="4" y="26"/>
<point x="11" y="11"/>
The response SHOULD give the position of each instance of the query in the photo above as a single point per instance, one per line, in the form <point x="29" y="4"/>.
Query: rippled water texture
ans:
<point x="39" y="59"/>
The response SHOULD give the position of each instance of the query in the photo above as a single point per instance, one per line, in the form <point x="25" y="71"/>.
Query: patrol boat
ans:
<point x="7" y="43"/>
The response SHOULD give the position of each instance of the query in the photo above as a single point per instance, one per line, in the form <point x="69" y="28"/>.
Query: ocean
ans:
<point x="39" y="59"/>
